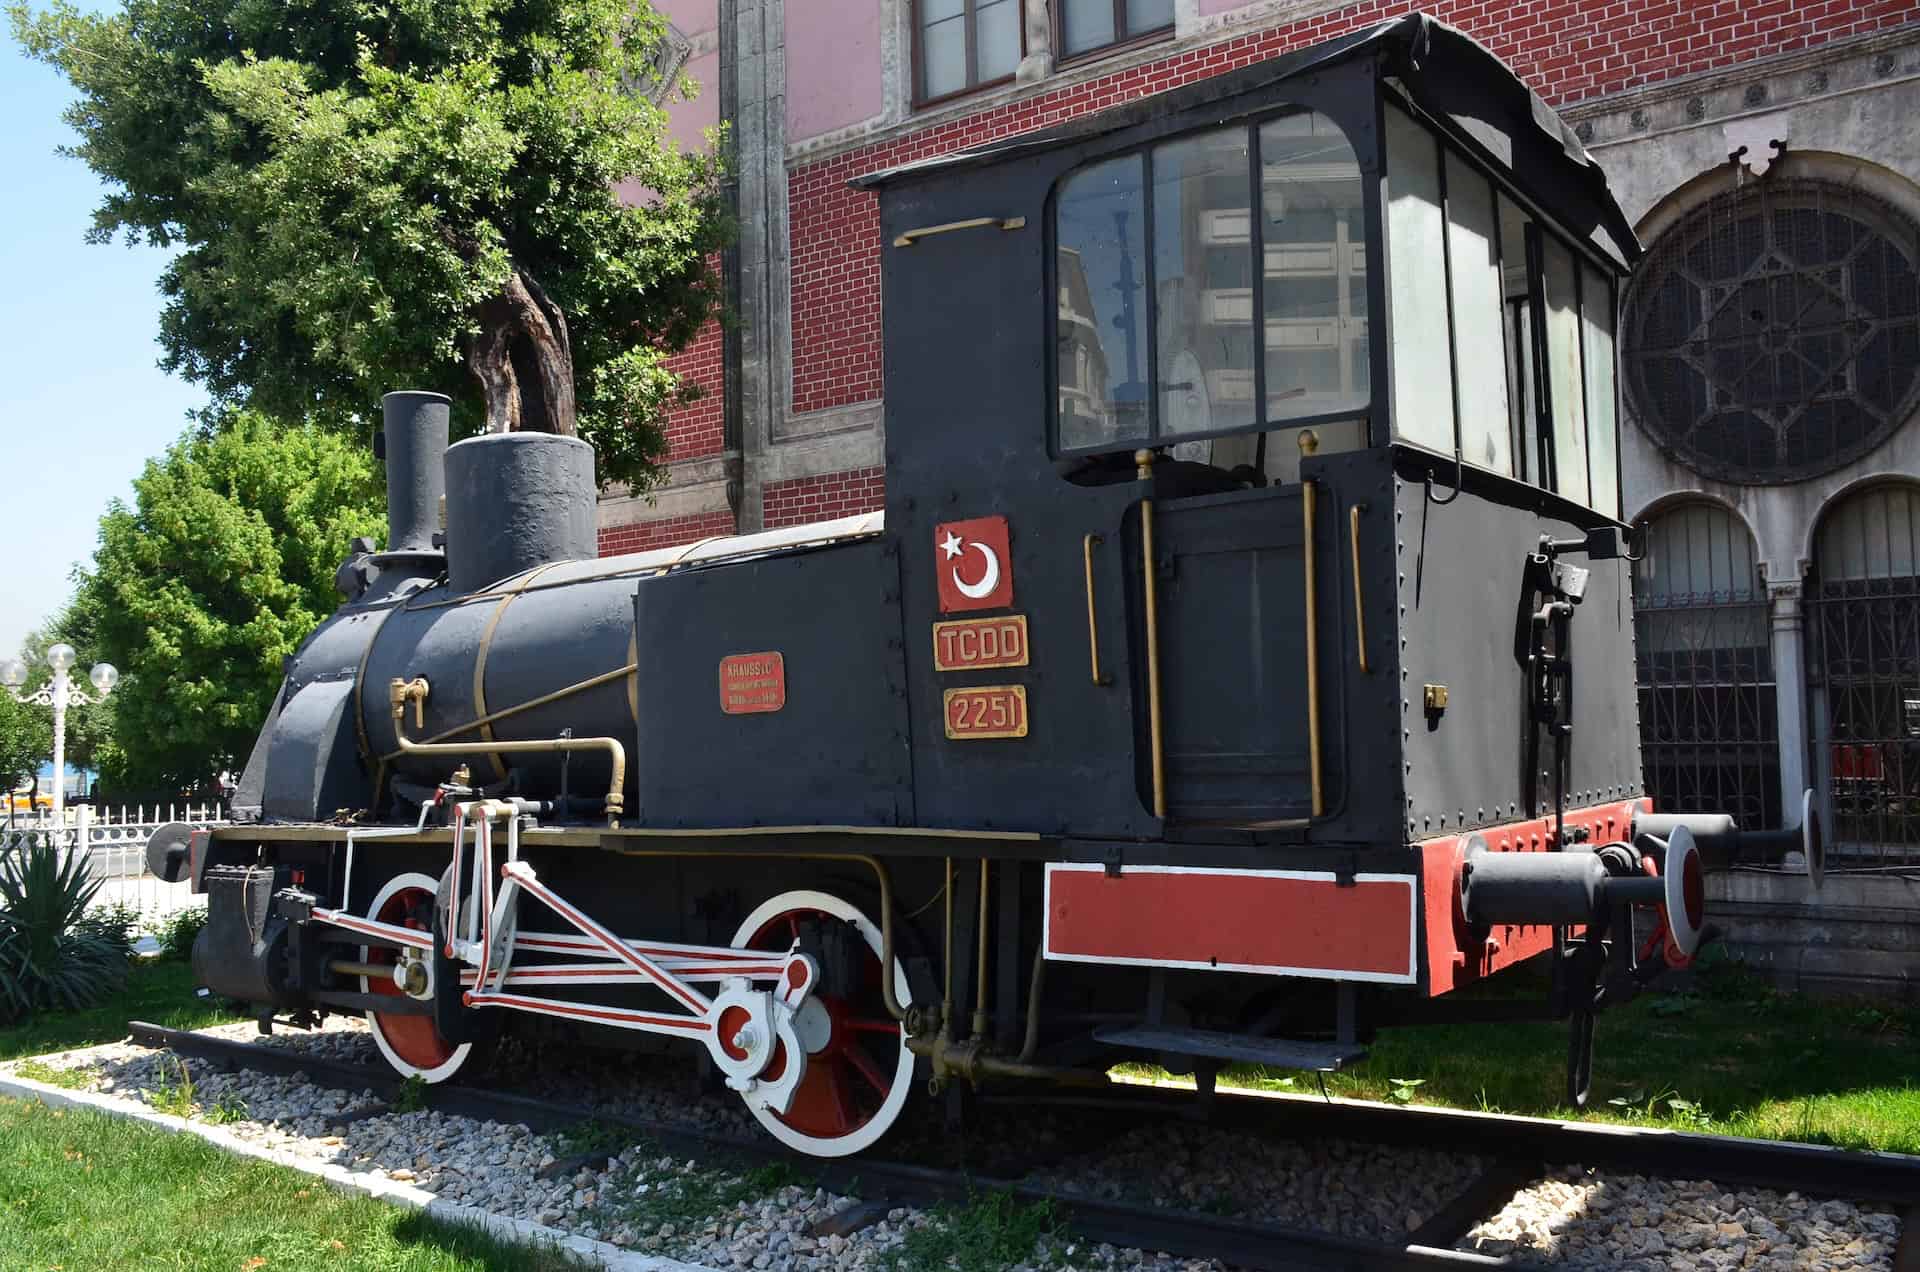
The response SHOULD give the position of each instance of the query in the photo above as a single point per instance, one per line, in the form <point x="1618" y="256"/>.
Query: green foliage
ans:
<point x="1402" y="1090"/>
<point x="75" y="1078"/>
<point x="169" y="1096"/>
<point x="412" y="1096"/>
<point x="26" y="740"/>
<point x="358" y="188"/>
<point x="80" y="1189"/>
<point x="218" y="571"/>
<point x="117" y="924"/>
<point x="51" y="956"/>
<point x="990" y="1233"/>
<point x="177" y="932"/>
<point x="156" y="991"/>
<point x="1637" y="1106"/>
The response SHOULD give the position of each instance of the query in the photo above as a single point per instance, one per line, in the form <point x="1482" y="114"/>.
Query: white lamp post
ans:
<point x="59" y="693"/>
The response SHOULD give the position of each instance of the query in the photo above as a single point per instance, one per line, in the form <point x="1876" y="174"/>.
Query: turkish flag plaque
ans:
<point x="972" y="564"/>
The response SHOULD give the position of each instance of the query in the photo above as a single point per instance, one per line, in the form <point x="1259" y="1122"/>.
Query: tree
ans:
<point x="222" y="566"/>
<point x="404" y="194"/>
<point x="26" y="741"/>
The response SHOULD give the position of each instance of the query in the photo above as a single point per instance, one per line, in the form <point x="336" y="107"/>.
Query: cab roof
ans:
<point x="1446" y="73"/>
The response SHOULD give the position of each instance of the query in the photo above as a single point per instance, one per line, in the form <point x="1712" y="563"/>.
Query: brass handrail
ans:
<point x="1313" y="648"/>
<point x="1359" y="604"/>
<point x="1144" y="458"/>
<point x="1093" y="629"/>
<point x="911" y="237"/>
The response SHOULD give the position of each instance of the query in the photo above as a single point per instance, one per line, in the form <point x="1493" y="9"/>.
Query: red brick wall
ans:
<point x="700" y="429"/>
<point x="664" y="532"/>
<point x="1566" y="49"/>
<point x="822" y="498"/>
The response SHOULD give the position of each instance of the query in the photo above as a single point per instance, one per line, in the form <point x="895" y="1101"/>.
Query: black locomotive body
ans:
<point x="1244" y="650"/>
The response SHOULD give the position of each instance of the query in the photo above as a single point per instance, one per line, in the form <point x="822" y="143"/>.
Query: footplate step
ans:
<point x="1275" y="1053"/>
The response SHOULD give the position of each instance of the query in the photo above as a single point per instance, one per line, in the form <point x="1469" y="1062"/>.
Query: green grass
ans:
<point x="1730" y="1056"/>
<point x="686" y="1198"/>
<point x="160" y="992"/>
<point x="79" y="1190"/>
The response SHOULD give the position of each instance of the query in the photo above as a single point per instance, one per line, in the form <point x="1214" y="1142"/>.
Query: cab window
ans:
<point x="1210" y="285"/>
<point x="1502" y="331"/>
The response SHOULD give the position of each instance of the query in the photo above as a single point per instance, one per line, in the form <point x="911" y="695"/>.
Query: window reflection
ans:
<point x="1203" y="278"/>
<point x="1100" y="224"/>
<point x="1314" y="230"/>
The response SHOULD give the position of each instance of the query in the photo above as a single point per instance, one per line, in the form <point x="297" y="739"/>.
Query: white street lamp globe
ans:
<point x="104" y="676"/>
<point x="13" y="673"/>
<point x="61" y="656"/>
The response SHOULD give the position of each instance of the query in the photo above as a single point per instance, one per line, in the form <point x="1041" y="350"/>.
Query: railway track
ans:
<point x="1516" y="1150"/>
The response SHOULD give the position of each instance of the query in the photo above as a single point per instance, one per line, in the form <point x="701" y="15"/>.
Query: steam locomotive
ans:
<point x="1242" y="662"/>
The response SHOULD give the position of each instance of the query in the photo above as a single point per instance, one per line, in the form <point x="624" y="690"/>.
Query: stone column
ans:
<point x="760" y="141"/>
<point x="1790" y="692"/>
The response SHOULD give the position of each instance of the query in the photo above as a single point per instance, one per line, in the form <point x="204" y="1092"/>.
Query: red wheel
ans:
<point x="859" y="1071"/>
<point x="410" y="1043"/>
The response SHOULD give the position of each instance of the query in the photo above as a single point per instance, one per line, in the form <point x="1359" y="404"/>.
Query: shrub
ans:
<point x="51" y="955"/>
<point x="117" y="924"/>
<point x="176" y="932"/>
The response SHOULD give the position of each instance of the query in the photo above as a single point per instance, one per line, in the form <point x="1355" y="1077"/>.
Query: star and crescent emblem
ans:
<point x="973" y="564"/>
<point x="953" y="546"/>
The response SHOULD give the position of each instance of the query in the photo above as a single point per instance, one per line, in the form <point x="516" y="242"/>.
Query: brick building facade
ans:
<point x="819" y="93"/>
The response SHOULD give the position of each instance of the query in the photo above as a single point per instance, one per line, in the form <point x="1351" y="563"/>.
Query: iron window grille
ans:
<point x="1773" y="334"/>
<point x="1863" y="620"/>
<point x="1709" y="730"/>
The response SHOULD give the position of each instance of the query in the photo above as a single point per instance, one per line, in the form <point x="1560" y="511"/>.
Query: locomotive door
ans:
<point x="1231" y="581"/>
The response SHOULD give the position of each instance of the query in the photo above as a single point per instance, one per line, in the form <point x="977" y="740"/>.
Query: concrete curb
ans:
<point x="611" y="1257"/>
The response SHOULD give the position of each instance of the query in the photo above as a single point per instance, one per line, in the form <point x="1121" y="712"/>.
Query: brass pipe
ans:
<point x="1313" y="647"/>
<point x="970" y="1061"/>
<point x="402" y="692"/>
<point x="1144" y="458"/>
<point x="946" y="1000"/>
<point x="980" y="990"/>
<point x="1093" y="628"/>
<point x="1359" y="604"/>
<point x="341" y="967"/>
<point x="580" y="686"/>
<point x="1031" y="1044"/>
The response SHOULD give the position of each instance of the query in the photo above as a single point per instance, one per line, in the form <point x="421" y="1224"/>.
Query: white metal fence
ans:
<point x="114" y="841"/>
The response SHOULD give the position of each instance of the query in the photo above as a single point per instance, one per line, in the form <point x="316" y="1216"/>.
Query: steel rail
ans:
<point x="1519" y="1148"/>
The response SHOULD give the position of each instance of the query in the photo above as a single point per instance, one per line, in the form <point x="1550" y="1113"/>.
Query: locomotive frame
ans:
<point x="1197" y="760"/>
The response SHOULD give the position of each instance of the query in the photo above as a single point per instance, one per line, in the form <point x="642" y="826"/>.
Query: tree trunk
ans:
<point x="523" y="359"/>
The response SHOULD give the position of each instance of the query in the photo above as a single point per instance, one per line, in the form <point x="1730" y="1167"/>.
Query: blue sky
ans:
<point x="82" y="404"/>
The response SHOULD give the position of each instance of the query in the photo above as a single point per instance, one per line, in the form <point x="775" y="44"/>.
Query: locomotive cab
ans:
<point x="1278" y="382"/>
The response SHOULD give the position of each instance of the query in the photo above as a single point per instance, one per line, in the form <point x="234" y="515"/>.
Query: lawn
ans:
<point x="159" y="992"/>
<point x="79" y="1189"/>
<point x="1729" y="1056"/>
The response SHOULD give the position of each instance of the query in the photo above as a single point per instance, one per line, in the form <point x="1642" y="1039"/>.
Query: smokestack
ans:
<point x="414" y="437"/>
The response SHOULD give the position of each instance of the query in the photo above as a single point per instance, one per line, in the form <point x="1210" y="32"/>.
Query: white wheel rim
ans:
<point x="888" y="1113"/>
<point x="406" y="1068"/>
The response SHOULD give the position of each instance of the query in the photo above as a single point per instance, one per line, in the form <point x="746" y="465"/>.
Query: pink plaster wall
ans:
<point x="691" y="16"/>
<point x="687" y="121"/>
<point x="833" y="65"/>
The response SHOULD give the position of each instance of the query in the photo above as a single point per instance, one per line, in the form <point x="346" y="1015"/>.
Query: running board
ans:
<point x="1274" y="1053"/>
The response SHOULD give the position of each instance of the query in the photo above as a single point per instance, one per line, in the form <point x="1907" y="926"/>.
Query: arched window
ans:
<point x="1773" y="333"/>
<point x="1709" y="736"/>
<point x="1863" y="616"/>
